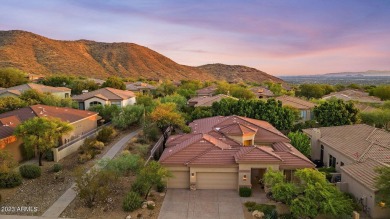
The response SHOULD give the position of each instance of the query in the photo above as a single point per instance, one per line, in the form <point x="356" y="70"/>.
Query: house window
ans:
<point x="332" y="161"/>
<point x="66" y="95"/>
<point x="303" y="114"/>
<point x="116" y="103"/>
<point x="95" y="103"/>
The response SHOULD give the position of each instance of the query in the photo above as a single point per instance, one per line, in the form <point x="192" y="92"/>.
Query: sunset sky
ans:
<point x="288" y="37"/>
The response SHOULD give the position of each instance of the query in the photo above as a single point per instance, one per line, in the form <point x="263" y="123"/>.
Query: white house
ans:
<point x="105" y="96"/>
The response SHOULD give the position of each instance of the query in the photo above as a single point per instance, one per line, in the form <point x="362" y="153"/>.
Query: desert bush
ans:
<point x="124" y="165"/>
<point x="10" y="180"/>
<point x="287" y="216"/>
<point x="245" y="192"/>
<point x="7" y="162"/>
<point x="89" y="149"/>
<point x="266" y="209"/>
<point x="57" y="167"/>
<point x="140" y="187"/>
<point x="83" y="158"/>
<point x="131" y="202"/>
<point x="30" y="171"/>
<point x="250" y="204"/>
<point x="97" y="145"/>
<point x="142" y="149"/>
<point x="106" y="134"/>
<point x="95" y="186"/>
<point x="160" y="187"/>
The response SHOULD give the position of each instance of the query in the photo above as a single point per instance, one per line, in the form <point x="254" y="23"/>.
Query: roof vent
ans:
<point x="217" y="128"/>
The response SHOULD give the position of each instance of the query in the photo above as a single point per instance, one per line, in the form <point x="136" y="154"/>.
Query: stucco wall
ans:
<point x="245" y="170"/>
<point x="360" y="191"/>
<point x="130" y="101"/>
<point x="339" y="157"/>
<point x="87" y="102"/>
<point x="81" y="127"/>
<point x="15" y="149"/>
<point x="61" y="94"/>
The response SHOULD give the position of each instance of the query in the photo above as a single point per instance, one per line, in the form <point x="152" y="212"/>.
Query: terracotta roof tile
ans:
<point x="107" y="93"/>
<point x="237" y="129"/>
<point x="364" y="172"/>
<point x="257" y="154"/>
<point x="295" y="102"/>
<point x="204" y="101"/>
<point x="354" y="95"/>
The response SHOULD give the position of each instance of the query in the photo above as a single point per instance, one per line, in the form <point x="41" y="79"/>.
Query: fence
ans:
<point x="73" y="145"/>
<point x="158" y="148"/>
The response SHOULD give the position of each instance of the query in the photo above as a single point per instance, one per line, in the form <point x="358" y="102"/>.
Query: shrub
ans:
<point x="132" y="202"/>
<point x="250" y="204"/>
<point x="266" y="209"/>
<point x="140" y="188"/>
<point x="160" y="187"/>
<point x="142" y="149"/>
<point x="85" y="157"/>
<point x="245" y="192"/>
<point x="30" y="171"/>
<point x="150" y="207"/>
<point x="57" y="167"/>
<point x="10" y="180"/>
<point x="95" y="186"/>
<point x="49" y="155"/>
<point x="7" y="162"/>
<point x="106" y="134"/>
<point x="286" y="216"/>
<point x="97" y="145"/>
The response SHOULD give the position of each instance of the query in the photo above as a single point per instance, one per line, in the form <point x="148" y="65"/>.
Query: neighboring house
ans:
<point x="207" y="91"/>
<point x="203" y="101"/>
<point x="304" y="107"/>
<point x="97" y="81"/>
<point x="364" y="108"/>
<point x="105" y="96"/>
<point x="228" y="153"/>
<point x="62" y="92"/>
<point x="351" y="149"/>
<point x="82" y="122"/>
<point x="262" y="92"/>
<point x="353" y="95"/>
<point x="140" y="87"/>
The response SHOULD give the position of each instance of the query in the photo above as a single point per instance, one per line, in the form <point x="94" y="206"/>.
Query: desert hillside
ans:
<point x="40" y="55"/>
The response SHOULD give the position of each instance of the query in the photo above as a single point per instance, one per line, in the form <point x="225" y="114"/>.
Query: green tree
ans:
<point x="41" y="133"/>
<point x="147" y="101"/>
<point x="32" y="97"/>
<point x="128" y="116"/>
<point x="114" y="82"/>
<point x="285" y="192"/>
<point x="78" y="86"/>
<point x="201" y="112"/>
<point x="272" y="177"/>
<point x="11" y="103"/>
<point x="271" y="111"/>
<point x="58" y="80"/>
<point x="382" y="183"/>
<point x="152" y="175"/>
<point x="107" y="112"/>
<point x="10" y="77"/>
<point x="311" y="91"/>
<point x="382" y="92"/>
<point x="166" y="115"/>
<point x="335" y="113"/>
<point x="180" y="101"/>
<point x="301" y="142"/>
<point x="378" y="118"/>
<point x="166" y="88"/>
<point x="7" y="162"/>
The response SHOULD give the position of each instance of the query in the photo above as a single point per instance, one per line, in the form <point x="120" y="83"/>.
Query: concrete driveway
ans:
<point x="205" y="204"/>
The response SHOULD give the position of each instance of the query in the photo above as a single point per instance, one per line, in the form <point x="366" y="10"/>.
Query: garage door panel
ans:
<point x="179" y="180"/>
<point x="217" y="180"/>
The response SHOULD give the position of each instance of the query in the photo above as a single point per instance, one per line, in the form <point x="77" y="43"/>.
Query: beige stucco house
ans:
<point x="81" y="120"/>
<point x="206" y="101"/>
<point x="140" y="87"/>
<point x="105" y="96"/>
<point x="355" y="151"/>
<point x="304" y="107"/>
<point x="228" y="153"/>
<point x="61" y="92"/>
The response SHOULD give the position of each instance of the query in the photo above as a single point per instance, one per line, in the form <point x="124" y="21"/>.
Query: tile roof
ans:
<point x="106" y="93"/>
<point x="203" y="101"/>
<point x="18" y="90"/>
<point x="262" y="91"/>
<point x="137" y="86"/>
<point x="215" y="148"/>
<point x="207" y="90"/>
<point x="354" y="95"/>
<point x="364" y="172"/>
<point x="295" y="102"/>
<point x="20" y="115"/>
<point x="364" y="108"/>
<point x="257" y="154"/>
<point x="358" y="142"/>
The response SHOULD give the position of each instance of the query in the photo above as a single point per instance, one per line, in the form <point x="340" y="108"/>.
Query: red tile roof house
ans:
<point x="81" y="120"/>
<point x="228" y="153"/>
<point x="105" y="96"/>
<point x="355" y="151"/>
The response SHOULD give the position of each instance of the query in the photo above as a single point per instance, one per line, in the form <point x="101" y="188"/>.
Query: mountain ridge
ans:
<point x="37" y="54"/>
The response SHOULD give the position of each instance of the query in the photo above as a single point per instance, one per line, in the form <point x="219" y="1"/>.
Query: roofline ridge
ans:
<point x="259" y="147"/>
<point x="191" y="142"/>
<point x="281" y="135"/>
<point x="109" y="89"/>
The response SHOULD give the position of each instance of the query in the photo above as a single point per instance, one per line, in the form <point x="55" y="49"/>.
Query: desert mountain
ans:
<point x="36" y="54"/>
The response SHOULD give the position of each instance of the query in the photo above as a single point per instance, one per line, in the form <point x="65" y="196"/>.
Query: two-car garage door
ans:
<point x="218" y="180"/>
<point x="204" y="180"/>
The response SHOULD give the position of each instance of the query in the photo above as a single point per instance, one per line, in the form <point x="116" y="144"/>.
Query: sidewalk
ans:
<point x="60" y="205"/>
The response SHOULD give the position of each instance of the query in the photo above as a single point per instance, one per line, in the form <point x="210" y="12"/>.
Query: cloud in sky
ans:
<point x="279" y="37"/>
